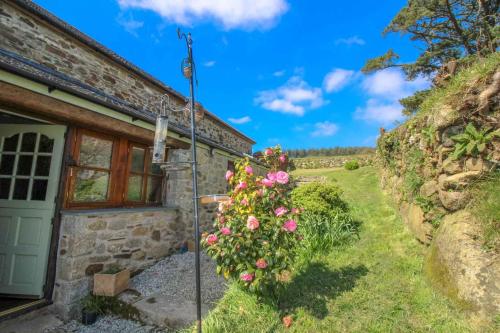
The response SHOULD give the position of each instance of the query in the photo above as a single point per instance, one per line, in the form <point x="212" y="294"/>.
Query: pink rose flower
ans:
<point x="225" y="231"/>
<point x="290" y="225"/>
<point x="280" y="211"/>
<point x="241" y="186"/>
<point x="222" y="219"/>
<point x="212" y="239"/>
<point x="249" y="170"/>
<point x="272" y="176"/>
<point x="268" y="152"/>
<point x="295" y="211"/>
<point x="252" y="222"/>
<point x="261" y="263"/>
<point x="282" y="177"/>
<point x="247" y="277"/>
<point x="282" y="158"/>
<point x="267" y="182"/>
<point x="244" y="202"/>
<point x="229" y="175"/>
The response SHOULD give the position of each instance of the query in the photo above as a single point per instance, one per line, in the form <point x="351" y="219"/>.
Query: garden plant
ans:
<point x="256" y="235"/>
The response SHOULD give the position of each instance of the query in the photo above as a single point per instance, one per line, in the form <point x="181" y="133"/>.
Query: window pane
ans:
<point x="95" y="152"/>
<point x="4" y="188"/>
<point x="137" y="159"/>
<point x="91" y="185"/>
<point x="39" y="189"/>
<point x="46" y="144"/>
<point x="42" y="166"/>
<point x="154" y="189"/>
<point x="24" y="165"/>
<point x="10" y="144"/>
<point x="134" y="188"/>
<point x="7" y="164"/>
<point x="21" y="189"/>
<point x="28" y="143"/>
<point x="155" y="168"/>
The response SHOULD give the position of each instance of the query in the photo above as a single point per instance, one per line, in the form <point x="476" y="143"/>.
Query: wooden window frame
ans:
<point x="121" y="157"/>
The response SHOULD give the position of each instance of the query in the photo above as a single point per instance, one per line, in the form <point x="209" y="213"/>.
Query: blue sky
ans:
<point x="282" y="71"/>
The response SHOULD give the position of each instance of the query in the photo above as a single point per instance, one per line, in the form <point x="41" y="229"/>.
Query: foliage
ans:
<point x="321" y="233"/>
<point x="447" y="30"/>
<point x="486" y="207"/>
<point x="110" y="305"/>
<point x="411" y="104"/>
<point x="429" y="134"/>
<point x="472" y="142"/>
<point x="425" y="203"/>
<point x="388" y="146"/>
<point x="113" y="269"/>
<point x="319" y="198"/>
<point x="334" y="151"/>
<point x="256" y="237"/>
<point x="351" y="165"/>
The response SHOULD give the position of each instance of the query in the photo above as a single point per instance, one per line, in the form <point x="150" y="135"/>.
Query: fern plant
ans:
<point x="472" y="142"/>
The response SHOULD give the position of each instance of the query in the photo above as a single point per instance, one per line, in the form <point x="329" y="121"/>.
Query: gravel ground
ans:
<point x="172" y="276"/>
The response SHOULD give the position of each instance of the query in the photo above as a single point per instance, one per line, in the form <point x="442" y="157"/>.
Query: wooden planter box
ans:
<point x="111" y="284"/>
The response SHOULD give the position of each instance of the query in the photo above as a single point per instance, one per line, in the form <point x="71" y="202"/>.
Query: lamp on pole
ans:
<point x="189" y="70"/>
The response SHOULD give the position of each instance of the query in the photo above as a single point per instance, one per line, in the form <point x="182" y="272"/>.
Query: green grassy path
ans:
<point x="373" y="285"/>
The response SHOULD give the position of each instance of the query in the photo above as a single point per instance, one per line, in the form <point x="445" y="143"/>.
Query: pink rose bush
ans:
<point x="257" y="235"/>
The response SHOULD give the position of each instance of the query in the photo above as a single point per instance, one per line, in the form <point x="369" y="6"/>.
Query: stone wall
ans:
<point x="432" y="185"/>
<point x="91" y="241"/>
<point x="34" y="39"/>
<point x="331" y="161"/>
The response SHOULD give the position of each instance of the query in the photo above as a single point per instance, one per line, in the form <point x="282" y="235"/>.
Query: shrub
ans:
<point x="256" y="238"/>
<point x="351" y="165"/>
<point x="326" y="221"/>
<point x="319" y="198"/>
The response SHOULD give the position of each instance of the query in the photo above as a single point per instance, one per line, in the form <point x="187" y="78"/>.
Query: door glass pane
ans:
<point x="91" y="185"/>
<point x="21" y="189"/>
<point x="95" y="152"/>
<point x="28" y="142"/>
<point x="4" y="188"/>
<point x="42" y="166"/>
<point x="7" y="164"/>
<point x="154" y="189"/>
<point x="137" y="159"/>
<point x="24" y="165"/>
<point x="46" y="144"/>
<point x="39" y="189"/>
<point x="134" y="188"/>
<point x="10" y="144"/>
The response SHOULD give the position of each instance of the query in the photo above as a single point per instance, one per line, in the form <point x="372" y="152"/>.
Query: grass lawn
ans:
<point x="373" y="285"/>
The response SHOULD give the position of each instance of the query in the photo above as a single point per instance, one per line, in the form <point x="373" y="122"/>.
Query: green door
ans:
<point x="30" y="161"/>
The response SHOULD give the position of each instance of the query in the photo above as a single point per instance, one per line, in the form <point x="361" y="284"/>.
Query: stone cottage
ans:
<point x="78" y="191"/>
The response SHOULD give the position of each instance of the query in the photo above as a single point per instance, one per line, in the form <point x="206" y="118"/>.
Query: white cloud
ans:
<point x="242" y="120"/>
<point x="353" y="40"/>
<point x="385" y="88"/>
<point x="380" y="112"/>
<point x="337" y="79"/>
<point x="324" y="128"/>
<point x="210" y="63"/>
<point x="294" y="97"/>
<point x="391" y="84"/>
<point x="130" y="25"/>
<point x="279" y="73"/>
<point x="232" y="14"/>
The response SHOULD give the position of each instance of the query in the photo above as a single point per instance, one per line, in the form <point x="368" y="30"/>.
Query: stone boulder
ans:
<point x="458" y="265"/>
<point x="477" y="164"/>
<point x="458" y="181"/>
<point x="413" y="217"/>
<point x="453" y="200"/>
<point x="429" y="188"/>
<point x="451" y="166"/>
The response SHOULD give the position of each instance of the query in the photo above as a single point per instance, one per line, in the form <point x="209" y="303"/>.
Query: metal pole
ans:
<point x="195" y="189"/>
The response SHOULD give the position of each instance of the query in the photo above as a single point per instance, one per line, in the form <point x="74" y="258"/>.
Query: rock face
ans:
<point x="459" y="267"/>
<point x="413" y="216"/>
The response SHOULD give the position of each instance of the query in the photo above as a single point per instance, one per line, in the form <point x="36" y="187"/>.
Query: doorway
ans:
<point x="30" y="161"/>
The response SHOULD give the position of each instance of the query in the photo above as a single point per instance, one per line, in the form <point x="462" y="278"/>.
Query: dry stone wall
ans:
<point x="430" y="184"/>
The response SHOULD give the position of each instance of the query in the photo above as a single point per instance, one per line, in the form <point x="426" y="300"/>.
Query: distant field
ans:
<point x="325" y="162"/>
